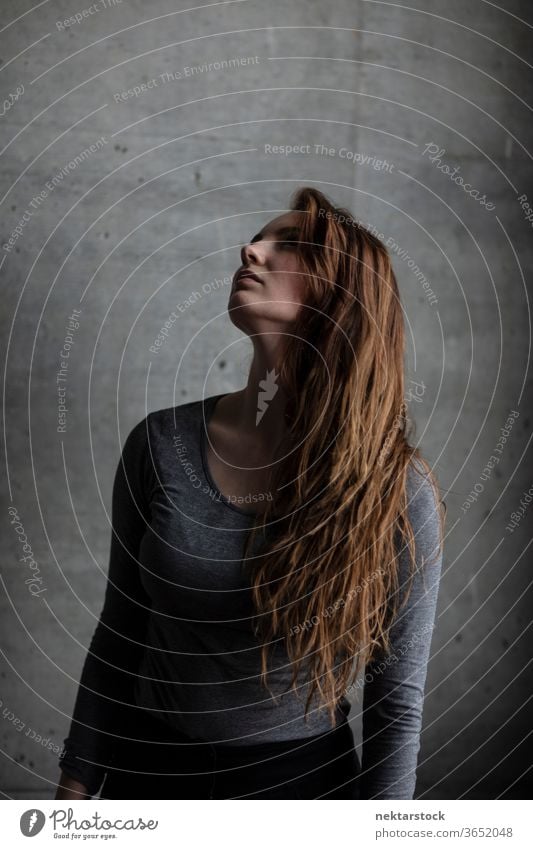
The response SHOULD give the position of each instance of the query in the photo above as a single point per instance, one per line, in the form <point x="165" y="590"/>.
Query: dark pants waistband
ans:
<point x="169" y="764"/>
<point x="156" y="744"/>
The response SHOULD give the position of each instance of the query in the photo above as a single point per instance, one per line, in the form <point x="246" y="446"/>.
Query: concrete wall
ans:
<point x="178" y="178"/>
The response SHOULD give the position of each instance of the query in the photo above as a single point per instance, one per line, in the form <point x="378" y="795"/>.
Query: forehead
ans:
<point x="288" y="219"/>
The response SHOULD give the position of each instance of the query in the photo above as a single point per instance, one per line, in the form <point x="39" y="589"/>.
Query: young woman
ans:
<point x="269" y="545"/>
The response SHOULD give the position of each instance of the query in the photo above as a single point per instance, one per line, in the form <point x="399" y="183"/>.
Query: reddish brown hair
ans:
<point x="339" y="516"/>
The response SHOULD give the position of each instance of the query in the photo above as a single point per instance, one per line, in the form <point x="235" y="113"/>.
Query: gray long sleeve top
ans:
<point x="174" y="636"/>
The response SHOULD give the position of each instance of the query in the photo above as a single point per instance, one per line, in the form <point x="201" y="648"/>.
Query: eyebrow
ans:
<point x="280" y="231"/>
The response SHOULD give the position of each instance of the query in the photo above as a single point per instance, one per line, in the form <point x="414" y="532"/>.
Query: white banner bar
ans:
<point x="246" y="823"/>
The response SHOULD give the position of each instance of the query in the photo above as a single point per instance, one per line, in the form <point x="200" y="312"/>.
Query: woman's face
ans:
<point x="273" y="301"/>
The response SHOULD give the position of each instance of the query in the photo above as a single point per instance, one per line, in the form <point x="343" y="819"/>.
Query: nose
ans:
<point x="250" y="254"/>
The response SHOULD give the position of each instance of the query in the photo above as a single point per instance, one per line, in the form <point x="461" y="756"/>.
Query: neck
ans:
<point x="262" y="402"/>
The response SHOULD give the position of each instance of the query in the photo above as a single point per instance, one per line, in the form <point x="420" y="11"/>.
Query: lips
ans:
<point x="244" y="273"/>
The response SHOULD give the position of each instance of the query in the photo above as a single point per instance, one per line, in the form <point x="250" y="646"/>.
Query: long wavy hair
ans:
<point x="325" y="582"/>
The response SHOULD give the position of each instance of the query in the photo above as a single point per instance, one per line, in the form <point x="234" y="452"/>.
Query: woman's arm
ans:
<point x="394" y="689"/>
<point x="108" y="676"/>
<point x="69" y="788"/>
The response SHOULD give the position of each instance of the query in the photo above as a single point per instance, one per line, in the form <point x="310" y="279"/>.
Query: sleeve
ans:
<point x="394" y="683"/>
<point x="108" y="676"/>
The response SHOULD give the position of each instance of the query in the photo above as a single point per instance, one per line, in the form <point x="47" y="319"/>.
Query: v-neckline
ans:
<point x="208" y="407"/>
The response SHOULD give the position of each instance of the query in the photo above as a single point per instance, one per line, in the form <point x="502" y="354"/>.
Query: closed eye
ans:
<point x="283" y="231"/>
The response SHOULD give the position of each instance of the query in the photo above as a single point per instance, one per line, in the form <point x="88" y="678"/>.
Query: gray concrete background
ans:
<point x="180" y="180"/>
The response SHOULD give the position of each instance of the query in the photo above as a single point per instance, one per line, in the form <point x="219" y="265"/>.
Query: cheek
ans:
<point x="296" y="282"/>
<point x="300" y="287"/>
